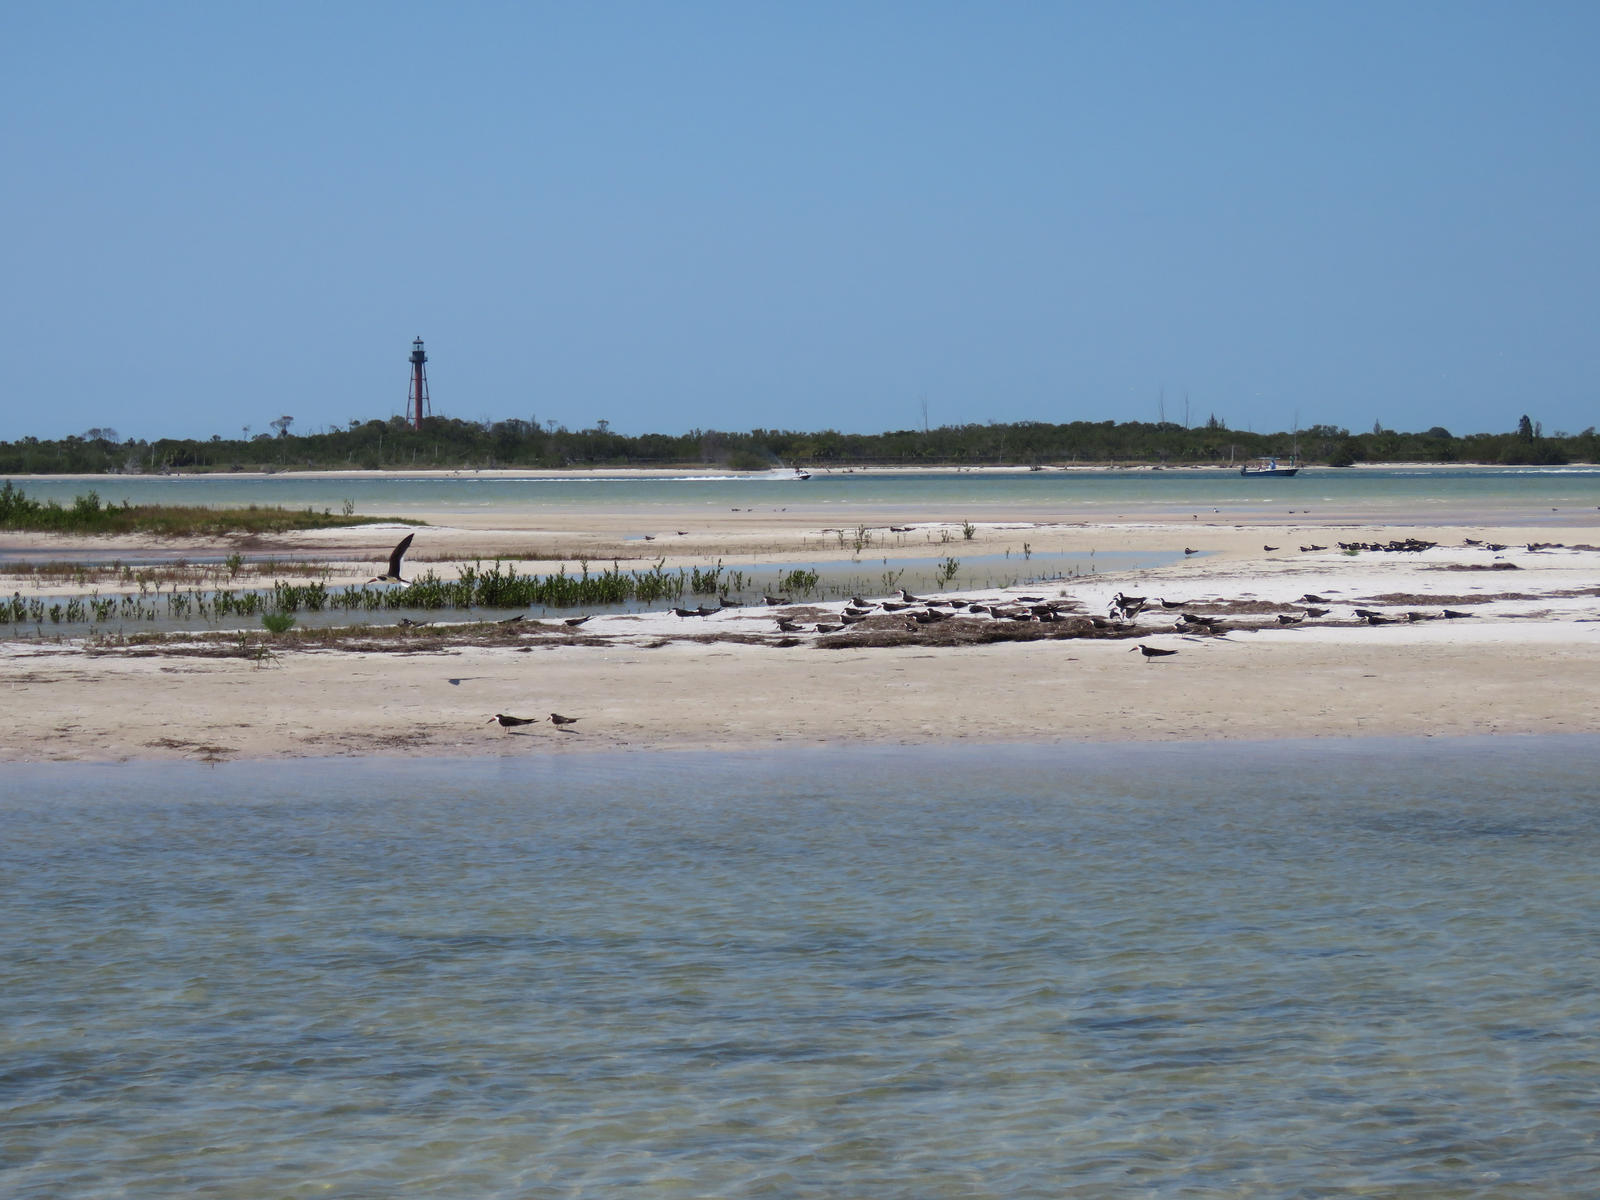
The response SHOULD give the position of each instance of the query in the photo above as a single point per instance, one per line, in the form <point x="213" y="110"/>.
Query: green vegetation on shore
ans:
<point x="87" y="515"/>
<point x="476" y="587"/>
<point x="448" y="443"/>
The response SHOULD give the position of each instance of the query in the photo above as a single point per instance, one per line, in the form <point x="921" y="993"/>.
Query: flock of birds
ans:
<point x="1123" y="612"/>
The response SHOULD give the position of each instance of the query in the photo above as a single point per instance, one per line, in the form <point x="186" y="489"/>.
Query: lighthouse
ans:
<point x="417" y="406"/>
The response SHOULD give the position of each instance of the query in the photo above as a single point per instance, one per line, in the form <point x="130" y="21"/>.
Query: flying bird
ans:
<point x="392" y="575"/>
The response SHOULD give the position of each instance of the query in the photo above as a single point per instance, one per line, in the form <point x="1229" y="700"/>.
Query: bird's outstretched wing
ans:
<point x="398" y="553"/>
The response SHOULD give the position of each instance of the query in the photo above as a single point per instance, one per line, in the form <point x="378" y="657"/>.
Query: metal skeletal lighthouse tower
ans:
<point x="417" y="406"/>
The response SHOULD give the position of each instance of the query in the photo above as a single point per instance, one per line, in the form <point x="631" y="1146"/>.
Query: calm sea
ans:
<point x="1515" y="494"/>
<point x="1355" y="969"/>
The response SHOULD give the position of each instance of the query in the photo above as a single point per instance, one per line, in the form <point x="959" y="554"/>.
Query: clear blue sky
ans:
<point x="742" y="215"/>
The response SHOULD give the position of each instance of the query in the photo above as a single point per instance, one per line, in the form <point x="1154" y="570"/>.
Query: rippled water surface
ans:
<point x="1301" y="970"/>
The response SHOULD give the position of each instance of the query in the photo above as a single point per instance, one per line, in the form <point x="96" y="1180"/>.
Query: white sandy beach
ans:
<point x="1527" y="659"/>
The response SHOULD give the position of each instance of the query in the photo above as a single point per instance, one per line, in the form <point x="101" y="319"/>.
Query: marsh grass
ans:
<point x="88" y="514"/>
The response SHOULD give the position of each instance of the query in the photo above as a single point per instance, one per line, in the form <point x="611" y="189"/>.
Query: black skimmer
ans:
<point x="727" y="603"/>
<point x="506" y="722"/>
<point x="558" y="720"/>
<point x="1290" y="618"/>
<point x="1269" y="548"/>
<point x="907" y="597"/>
<point x="824" y="628"/>
<point x="1451" y="614"/>
<point x="1188" y="550"/>
<point x="774" y="601"/>
<point x="688" y="612"/>
<point x="392" y="573"/>
<point x="1317" y="612"/>
<point x="786" y="626"/>
<point x="1150" y="652"/>
<point x="574" y="622"/>
<point x="1310" y="598"/>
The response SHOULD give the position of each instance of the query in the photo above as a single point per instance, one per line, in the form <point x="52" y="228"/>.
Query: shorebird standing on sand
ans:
<point x="392" y="574"/>
<point x="507" y="722"/>
<point x="1150" y="652"/>
<point x="558" y="720"/>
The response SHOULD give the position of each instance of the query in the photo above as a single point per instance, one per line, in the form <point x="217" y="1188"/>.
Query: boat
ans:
<point x="1270" y="466"/>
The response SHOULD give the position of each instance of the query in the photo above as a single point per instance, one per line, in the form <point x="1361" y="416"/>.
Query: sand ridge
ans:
<point x="1527" y="660"/>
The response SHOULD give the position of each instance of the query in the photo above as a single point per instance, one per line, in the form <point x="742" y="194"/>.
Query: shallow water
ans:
<point x="1306" y="969"/>
<point x="1510" y="494"/>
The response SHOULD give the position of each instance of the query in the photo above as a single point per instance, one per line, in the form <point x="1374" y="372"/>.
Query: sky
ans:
<point x="749" y="215"/>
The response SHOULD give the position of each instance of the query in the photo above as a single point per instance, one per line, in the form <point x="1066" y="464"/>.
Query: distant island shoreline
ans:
<point x="445" y="445"/>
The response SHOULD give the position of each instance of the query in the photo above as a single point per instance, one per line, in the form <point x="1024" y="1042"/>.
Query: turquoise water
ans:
<point x="1345" y="969"/>
<point x="1516" y="494"/>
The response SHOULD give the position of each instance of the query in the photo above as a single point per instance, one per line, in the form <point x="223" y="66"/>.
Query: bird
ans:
<point x="1150" y="652"/>
<point x="774" y="601"/>
<point x="1269" y="547"/>
<point x="787" y="626"/>
<point x="1188" y="550"/>
<point x="1165" y="603"/>
<point x="727" y="603"/>
<point x="1313" y="598"/>
<point x="1451" y="614"/>
<point x="1290" y="618"/>
<point x="1127" y="607"/>
<point x="558" y="720"/>
<point x="825" y="628"/>
<point x="512" y="620"/>
<point x="507" y="722"/>
<point x="687" y="612"/>
<point x="1317" y="612"/>
<point x="392" y="574"/>
<point x="574" y="622"/>
<point x="408" y="623"/>
<point x="907" y="597"/>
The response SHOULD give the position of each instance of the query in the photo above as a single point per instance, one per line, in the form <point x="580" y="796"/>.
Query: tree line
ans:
<point x="449" y="443"/>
